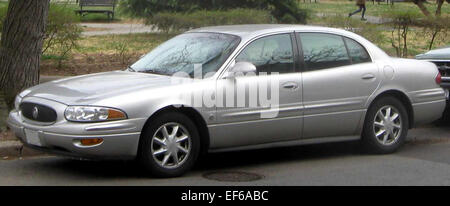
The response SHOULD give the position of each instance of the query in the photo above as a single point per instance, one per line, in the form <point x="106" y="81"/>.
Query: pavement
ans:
<point x="116" y="28"/>
<point x="423" y="160"/>
<point x="369" y="19"/>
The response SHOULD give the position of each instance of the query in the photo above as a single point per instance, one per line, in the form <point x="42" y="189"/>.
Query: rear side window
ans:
<point x="357" y="52"/>
<point x="321" y="51"/>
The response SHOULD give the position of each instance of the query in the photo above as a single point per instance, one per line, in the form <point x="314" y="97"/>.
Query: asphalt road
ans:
<point x="424" y="160"/>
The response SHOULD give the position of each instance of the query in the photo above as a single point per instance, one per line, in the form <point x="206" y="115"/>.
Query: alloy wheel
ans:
<point x="171" y="145"/>
<point x="387" y="125"/>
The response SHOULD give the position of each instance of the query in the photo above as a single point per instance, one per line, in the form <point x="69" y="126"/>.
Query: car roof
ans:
<point x="248" y="30"/>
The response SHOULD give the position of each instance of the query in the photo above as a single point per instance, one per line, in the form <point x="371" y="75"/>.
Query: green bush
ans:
<point x="400" y="24"/>
<point x="285" y="11"/>
<point x="62" y="32"/>
<point x="176" y="22"/>
<point x="435" y="28"/>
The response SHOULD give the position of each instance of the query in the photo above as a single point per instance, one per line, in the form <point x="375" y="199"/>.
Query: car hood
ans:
<point x="442" y="53"/>
<point x="89" y="88"/>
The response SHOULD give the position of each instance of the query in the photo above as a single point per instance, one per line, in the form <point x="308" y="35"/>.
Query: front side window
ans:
<point x="322" y="51"/>
<point x="357" y="52"/>
<point x="270" y="54"/>
<point x="184" y="52"/>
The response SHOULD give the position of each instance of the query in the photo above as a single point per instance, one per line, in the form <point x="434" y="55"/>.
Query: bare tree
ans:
<point x="21" y="44"/>
<point x="423" y="8"/>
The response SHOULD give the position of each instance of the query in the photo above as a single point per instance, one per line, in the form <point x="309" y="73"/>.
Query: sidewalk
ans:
<point x="116" y="28"/>
<point x="370" y="19"/>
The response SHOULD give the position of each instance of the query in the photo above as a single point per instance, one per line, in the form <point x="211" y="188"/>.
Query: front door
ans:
<point x="272" y="97"/>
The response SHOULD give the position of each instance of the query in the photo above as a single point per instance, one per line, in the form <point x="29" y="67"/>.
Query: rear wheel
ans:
<point x="170" y="145"/>
<point x="386" y="126"/>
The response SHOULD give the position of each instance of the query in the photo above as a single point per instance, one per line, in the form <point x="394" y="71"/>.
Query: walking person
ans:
<point x="362" y="7"/>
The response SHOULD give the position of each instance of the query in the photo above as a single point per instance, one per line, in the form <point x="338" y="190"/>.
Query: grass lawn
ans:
<point x="345" y="7"/>
<point x="103" y="53"/>
<point x="110" y="44"/>
<point x="338" y="11"/>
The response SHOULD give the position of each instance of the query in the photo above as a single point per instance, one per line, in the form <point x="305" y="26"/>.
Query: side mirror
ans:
<point x="241" y="68"/>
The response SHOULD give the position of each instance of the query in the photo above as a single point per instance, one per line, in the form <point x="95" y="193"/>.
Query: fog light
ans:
<point x="90" y="142"/>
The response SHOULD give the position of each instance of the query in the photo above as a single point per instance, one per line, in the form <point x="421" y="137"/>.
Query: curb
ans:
<point x="14" y="148"/>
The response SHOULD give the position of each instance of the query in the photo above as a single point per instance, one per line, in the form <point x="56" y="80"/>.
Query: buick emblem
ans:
<point x="35" y="112"/>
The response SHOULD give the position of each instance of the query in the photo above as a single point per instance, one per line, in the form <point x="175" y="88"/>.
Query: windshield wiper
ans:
<point x="131" y="69"/>
<point x="153" y="71"/>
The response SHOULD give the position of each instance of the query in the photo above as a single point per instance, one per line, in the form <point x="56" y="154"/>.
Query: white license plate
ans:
<point x="32" y="137"/>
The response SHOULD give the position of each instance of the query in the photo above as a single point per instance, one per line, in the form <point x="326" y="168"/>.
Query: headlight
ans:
<point x="17" y="102"/>
<point x="93" y="114"/>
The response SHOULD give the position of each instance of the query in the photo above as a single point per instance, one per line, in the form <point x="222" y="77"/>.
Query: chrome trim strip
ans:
<point x="328" y="113"/>
<point x="93" y="135"/>
<point x="430" y="102"/>
<point x="258" y="120"/>
<point x="115" y="126"/>
<point x="264" y="110"/>
<point x="332" y="104"/>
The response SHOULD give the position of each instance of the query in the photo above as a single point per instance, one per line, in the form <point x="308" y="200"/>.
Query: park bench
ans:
<point x="97" y="3"/>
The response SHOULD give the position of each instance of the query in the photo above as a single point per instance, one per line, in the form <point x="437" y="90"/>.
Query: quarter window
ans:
<point x="321" y="51"/>
<point x="270" y="54"/>
<point x="357" y="52"/>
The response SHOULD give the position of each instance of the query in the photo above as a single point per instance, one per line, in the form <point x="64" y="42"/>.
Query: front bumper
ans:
<point x="120" y="138"/>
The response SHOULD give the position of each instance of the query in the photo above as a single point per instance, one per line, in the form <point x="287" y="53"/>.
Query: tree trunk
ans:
<point x="21" y="45"/>
<point x="439" y="7"/>
<point x="3" y="113"/>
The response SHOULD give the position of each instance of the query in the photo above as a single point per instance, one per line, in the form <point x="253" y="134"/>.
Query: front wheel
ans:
<point x="170" y="145"/>
<point x="386" y="126"/>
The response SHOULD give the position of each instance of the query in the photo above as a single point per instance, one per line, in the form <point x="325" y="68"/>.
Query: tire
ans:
<point x="155" y="140"/>
<point x="373" y="138"/>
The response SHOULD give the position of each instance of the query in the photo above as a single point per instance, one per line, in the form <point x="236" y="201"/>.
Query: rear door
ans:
<point x="339" y="77"/>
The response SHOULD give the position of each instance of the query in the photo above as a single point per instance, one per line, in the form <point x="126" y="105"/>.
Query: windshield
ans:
<point x="185" y="52"/>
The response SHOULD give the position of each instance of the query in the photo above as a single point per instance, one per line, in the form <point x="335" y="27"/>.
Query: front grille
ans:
<point x="38" y="112"/>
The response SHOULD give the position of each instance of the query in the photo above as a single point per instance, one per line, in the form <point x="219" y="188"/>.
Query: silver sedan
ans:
<point x="229" y="88"/>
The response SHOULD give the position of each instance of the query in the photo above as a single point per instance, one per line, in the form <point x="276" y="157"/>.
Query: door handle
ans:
<point x="368" y="76"/>
<point x="290" y="85"/>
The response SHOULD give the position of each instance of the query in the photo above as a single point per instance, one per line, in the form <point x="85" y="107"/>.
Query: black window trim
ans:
<point x="293" y="45"/>
<point x="348" y="51"/>
<point x="301" y="57"/>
